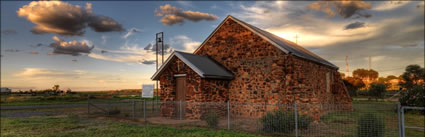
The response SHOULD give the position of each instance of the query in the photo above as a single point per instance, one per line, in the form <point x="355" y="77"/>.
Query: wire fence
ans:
<point x="305" y="120"/>
<point x="293" y="120"/>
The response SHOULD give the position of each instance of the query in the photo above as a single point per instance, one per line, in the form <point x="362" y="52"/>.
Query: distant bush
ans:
<point x="363" y="93"/>
<point x="283" y="122"/>
<point x="377" y="90"/>
<point x="370" y="125"/>
<point x="114" y="112"/>
<point x="211" y="118"/>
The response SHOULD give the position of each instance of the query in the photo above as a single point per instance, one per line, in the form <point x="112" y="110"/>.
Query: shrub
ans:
<point x="362" y="93"/>
<point x="114" y="112"/>
<point x="413" y="97"/>
<point x="377" y="90"/>
<point x="370" y="125"/>
<point x="283" y="122"/>
<point x="304" y="121"/>
<point x="73" y="117"/>
<point x="211" y="118"/>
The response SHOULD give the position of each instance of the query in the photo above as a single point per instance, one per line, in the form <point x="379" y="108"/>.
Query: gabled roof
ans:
<point x="202" y="65"/>
<point x="283" y="44"/>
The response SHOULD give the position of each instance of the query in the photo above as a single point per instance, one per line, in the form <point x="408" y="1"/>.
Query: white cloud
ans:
<point x="172" y="15"/>
<point x="46" y="73"/>
<point x="186" y="43"/>
<point x="104" y="38"/>
<point x="389" y="5"/>
<point x="131" y="32"/>
<point x="128" y="53"/>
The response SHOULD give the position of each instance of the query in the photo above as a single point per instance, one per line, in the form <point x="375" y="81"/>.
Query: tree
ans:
<point x="356" y="82"/>
<point x="55" y="88"/>
<point x="413" y="82"/>
<point x="365" y="74"/>
<point x="391" y="77"/>
<point x="414" y="96"/>
<point x="377" y="90"/>
<point x="413" y="75"/>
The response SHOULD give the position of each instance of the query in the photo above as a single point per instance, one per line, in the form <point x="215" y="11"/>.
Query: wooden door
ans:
<point x="180" y="95"/>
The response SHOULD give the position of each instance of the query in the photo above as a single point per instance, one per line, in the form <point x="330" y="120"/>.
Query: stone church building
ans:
<point x="241" y="63"/>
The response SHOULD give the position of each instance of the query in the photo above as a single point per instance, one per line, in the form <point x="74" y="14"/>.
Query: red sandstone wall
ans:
<point x="265" y="74"/>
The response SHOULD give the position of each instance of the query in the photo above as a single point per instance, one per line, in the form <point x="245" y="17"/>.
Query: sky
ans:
<point x="107" y="45"/>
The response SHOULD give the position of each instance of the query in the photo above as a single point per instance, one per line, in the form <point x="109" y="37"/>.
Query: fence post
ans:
<point x="399" y="122"/>
<point x="402" y="122"/>
<point x="228" y="115"/>
<point x="296" y="119"/>
<point x="144" y="110"/>
<point x="180" y="109"/>
<point x="134" y="110"/>
<point x="88" y="105"/>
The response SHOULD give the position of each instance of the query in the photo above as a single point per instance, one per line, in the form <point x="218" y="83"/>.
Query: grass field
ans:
<point x="345" y="122"/>
<point x="78" y="98"/>
<point x="75" y="126"/>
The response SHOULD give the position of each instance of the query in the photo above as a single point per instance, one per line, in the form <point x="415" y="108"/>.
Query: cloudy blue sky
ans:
<point x="104" y="45"/>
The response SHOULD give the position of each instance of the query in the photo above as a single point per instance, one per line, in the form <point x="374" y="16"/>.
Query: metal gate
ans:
<point x="403" y="126"/>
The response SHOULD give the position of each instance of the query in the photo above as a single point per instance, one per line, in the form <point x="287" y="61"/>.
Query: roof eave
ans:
<point x="218" y="77"/>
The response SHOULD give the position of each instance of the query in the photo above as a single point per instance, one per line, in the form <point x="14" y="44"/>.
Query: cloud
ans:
<point x="34" y="52"/>
<point x="389" y="5"/>
<point x="65" y="19"/>
<point x="12" y="50"/>
<point x="131" y="53"/>
<point x="117" y="58"/>
<point x="44" y="73"/>
<point x="422" y="5"/>
<point x="148" y="62"/>
<point x="152" y="48"/>
<point x="37" y="45"/>
<point x="131" y="32"/>
<point x="172" y="15"/>
<point x="345" y="9"/>
<point x="354" y="25"/>
<point x="185" y="43"/>
<point x="104" y="38"/>
<point x="9" y="32"/>
<point x="74" y="48"/>
<point x="185" y="3"/>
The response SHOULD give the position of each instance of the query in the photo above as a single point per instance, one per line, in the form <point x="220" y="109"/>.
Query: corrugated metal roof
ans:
<point x="288" y="45"/>
<point x="203" y="65"/>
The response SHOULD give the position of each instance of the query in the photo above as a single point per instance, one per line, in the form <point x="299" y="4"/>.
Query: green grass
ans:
<point x="78" y="98"/>
<point x="417" y="119"/>
<point x="373" y="102"/>
<point x="346" y="122"/>
<point x="75" y="126"/>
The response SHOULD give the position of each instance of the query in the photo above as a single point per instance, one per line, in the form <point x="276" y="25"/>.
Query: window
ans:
<point x="328" y="82"/>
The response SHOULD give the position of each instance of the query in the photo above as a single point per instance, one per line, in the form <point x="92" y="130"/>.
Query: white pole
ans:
<point x="296" y="119"/>
<point x="228" y="115"/>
